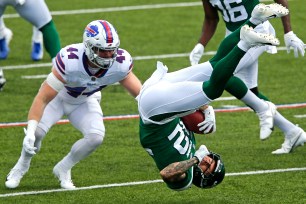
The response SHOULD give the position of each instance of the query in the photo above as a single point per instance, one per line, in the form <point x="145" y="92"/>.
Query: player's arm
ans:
<point x="48" y="90"/>
<point x="176" y="171"/>
<point x="211" y="19"/>
<point x="132" y="84"/>
<point x="210" y="23"/>
<point x="291" y="40"/>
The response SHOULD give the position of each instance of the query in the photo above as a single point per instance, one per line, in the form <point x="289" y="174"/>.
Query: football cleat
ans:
<point x="14" y="177"/>
<point x="4" y="43"/>
<point x="64" y="177"/>
<point x="252" y="38"/>
<point x="266" y="121"/>
<point x="2" y="80"/>
<point x="37" y="51"/>
<point x="262" y="12"/>
<point x="294" y="138"/>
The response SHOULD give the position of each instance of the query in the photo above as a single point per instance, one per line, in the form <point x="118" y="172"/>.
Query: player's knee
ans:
<point x="95" y="139"/>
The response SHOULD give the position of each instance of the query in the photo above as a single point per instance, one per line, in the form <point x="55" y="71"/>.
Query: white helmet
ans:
<point x="100" y="35"/>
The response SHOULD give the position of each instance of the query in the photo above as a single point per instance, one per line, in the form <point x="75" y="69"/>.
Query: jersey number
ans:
<point x="231" y="10"/>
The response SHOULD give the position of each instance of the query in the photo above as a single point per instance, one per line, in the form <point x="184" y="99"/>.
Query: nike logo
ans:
<point x="272" y="16"/>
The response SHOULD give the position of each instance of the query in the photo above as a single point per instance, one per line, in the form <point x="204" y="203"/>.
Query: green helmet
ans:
<point x="203" y="181"/>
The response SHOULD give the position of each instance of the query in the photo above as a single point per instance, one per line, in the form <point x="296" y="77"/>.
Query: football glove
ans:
<point x="209" y="124"/>
<point x="196" y="54"/>
<point x="28" y="143"/>
<point x="201" y="153"/>
<point x="291" y="40"/>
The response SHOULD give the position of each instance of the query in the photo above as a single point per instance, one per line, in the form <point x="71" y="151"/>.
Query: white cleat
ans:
<point x="64" y="177"/>
<point x="266" y="121"/>
<point x="14" y="177"/>
<point x="262" y="12"/>
<point x="251" y="37"/>
<point x="293" y="139"/>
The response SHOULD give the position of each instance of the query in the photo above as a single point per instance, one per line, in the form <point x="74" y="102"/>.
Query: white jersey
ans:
<point x="80" y="83"/>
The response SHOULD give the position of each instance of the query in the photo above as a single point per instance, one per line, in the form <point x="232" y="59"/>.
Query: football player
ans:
<point x="234" y="14"/>
<point x="165" y="97"/>
<point x="44" y="31"/>
<point x="73" y="87"/>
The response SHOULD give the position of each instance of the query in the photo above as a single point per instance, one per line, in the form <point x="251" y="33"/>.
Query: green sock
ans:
<point x="51" y="39"/>
<point x="236" y="87"/>
<point x="223" y="71"/>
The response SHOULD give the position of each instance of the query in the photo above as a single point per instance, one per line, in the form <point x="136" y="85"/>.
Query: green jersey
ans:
<point x="169" y="143"/>
<point x="234" y="12"/>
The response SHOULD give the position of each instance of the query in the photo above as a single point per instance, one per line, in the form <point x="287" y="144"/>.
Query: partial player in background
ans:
<point x="73" y="87"/>
<point x="234" y="15"/>
<point x="44" y="32"/>
<point x="166" y="97"/>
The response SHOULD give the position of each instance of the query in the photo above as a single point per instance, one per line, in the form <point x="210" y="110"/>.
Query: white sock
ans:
<point x="257" y="104"/>
<point x="37" y="35"/>
<point x="282" y="123"/>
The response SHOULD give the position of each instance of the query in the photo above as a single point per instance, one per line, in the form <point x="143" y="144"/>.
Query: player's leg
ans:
<point x="37" y="45"/>
<point x="5" y="38"/>
<point x="42" y="20"/>
<point x="88" y="119"/>
<point x="53" y="112"/>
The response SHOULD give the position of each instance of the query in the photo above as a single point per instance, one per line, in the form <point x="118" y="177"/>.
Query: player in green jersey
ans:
<point x="165" y="97"/>
<point x="234" y="14"/>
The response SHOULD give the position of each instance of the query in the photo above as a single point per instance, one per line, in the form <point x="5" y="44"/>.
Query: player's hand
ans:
<point x="201" y="153"/>
<point x="28" y="143"/>
<point x="196" y="54"/>
<point x="291" y="40"/>
<point x="209" y="124"/>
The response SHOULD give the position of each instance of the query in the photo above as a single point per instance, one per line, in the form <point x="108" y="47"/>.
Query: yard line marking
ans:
<point x="114" y="9"/>
<point x="121" y="8"/>
<point x="144" y="182"/>
<point x="135" y="116"/>
<point x="149" y="57"/>
<point x="300" y="116"/>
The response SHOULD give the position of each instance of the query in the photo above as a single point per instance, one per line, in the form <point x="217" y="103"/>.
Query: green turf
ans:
<point x="121" y="159"/>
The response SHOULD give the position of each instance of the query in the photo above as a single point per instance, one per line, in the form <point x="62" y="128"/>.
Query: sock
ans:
<point x="282" y="123"/>
<point x="37" y="36"/>
<point x="51" y="39"/>
<point x="258" y="105"/>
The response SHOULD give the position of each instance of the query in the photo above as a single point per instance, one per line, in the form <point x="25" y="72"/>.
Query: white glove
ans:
<point x="196" y="54"/>
<point x="29" y="139"/>
<point x="291" y="40"/>
<point x="201" y="153"/>
<point x="209" y="122"/>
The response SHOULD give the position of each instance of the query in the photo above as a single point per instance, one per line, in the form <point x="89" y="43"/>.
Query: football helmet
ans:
<point x="100" y="35"/>
<point x="208" y="181"/>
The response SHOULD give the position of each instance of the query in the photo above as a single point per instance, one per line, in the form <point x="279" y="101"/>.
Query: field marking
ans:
<point x="149" y="57"/>
<point x="121" y="8"/>
<point x="144" y="182"/>
<point x="135" y="116"/>
<point x="300" y="116"/>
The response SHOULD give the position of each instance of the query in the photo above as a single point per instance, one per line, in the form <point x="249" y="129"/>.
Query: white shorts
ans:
<point x="87" y="116"/>
<point x="177" y="91"/>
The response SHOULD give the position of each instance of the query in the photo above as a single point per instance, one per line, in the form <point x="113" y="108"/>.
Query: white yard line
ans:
<point x="113" y="185"/>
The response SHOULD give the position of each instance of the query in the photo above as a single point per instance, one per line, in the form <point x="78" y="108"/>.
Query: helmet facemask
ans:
<point x="203" y="180"/>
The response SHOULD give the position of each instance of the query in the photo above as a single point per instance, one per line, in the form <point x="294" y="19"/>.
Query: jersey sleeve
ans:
<point x="125" y="62"/>
<point x="60" y="63"/>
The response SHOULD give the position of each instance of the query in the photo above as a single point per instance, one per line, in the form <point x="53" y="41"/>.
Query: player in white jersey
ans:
<point x="234" y="14"/>
<point x="79" y="72"/>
